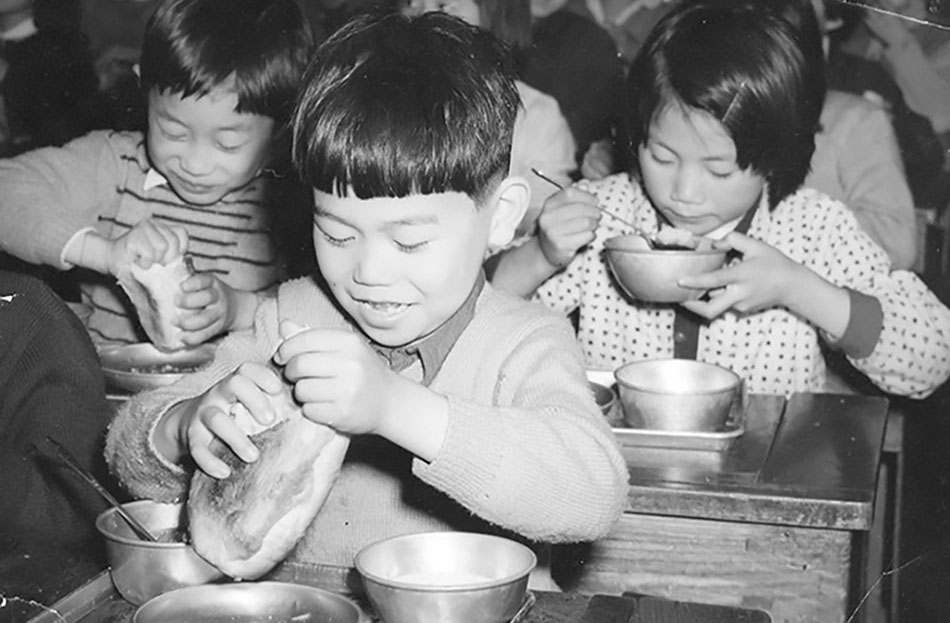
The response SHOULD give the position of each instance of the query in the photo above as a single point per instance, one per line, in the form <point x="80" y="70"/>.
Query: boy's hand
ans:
<point x="149" y="242"/>
<point x="764" y="278"/>
<point x="567" y="223"/>
<point x="210" y="416"/>
<point x="598" y="161"/>
<point x="209" y="307"/>
<point x="338" y="379"/>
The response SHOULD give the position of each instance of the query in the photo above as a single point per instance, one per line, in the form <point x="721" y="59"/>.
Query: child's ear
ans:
<point x="511" y="201"/>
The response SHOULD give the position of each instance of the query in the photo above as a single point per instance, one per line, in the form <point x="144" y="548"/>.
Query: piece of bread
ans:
<point x="153" y="291"/>
<point x="248" y="522"/>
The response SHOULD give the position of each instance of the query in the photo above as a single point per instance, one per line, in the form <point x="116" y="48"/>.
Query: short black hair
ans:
<point x="747" y="67"/>
<point x="194" y="46"/>
<point x="393" y="105"/>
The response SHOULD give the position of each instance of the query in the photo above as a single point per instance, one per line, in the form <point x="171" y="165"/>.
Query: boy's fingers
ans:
<point x="224" y="428"/>
<point x="311" y="340"/>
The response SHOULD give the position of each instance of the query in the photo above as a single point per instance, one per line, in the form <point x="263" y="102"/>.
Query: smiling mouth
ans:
<point x="387" y="308"/>
<point x="194" y="188"/>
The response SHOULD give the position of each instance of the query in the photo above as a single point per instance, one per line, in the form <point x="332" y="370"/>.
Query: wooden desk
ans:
<point x="772" y="523"/>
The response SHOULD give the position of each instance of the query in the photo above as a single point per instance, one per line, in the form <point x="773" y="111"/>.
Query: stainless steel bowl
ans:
<point x="142" y="570"/>
<point x="135" y="367"/>
<point x="677" y="394"/>
<point x="247" y="602"/>
<point x="446" y="577"/>
<point x="651" y="275"/>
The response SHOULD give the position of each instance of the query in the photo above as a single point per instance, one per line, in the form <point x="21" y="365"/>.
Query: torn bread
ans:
<point x="248" y="522"/>
<point x="153" y="291"/>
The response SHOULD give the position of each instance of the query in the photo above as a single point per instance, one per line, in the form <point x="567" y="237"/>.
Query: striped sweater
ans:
<point x="104" y="181"/>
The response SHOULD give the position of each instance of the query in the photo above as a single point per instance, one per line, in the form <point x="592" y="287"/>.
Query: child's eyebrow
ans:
<point x="723" y="157"/>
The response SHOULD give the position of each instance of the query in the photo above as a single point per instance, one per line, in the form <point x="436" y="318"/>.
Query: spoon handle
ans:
<point x="67" y="458"/>
<point x="635" y="229"/>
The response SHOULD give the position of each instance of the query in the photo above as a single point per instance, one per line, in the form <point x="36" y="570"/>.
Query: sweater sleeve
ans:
<point x="540" y="458"/>
<point x="130" y="450"/>
<point x="51" y="193"/>
<point x="543" y="140"/>
<point x="872" y="174"/>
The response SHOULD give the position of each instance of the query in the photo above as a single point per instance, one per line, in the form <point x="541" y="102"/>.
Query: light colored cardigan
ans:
<point x="526" y="448"/>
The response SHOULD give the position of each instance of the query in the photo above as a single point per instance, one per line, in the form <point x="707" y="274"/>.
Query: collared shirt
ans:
<point x="432" y="349"/>
<point x="153" y="179"/>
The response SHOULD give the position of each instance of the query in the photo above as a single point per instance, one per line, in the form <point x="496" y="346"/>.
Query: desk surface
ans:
<point x="811" y="461"/>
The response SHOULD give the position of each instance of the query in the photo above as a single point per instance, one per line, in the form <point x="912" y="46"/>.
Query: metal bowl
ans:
<point x="651" y="275"/>
<point x="135" y="367"/>
<point x="248" y="602"/>
<point x="677" y="394"/>
<point x="142" y="570"/>
<point x="446" y="577"/>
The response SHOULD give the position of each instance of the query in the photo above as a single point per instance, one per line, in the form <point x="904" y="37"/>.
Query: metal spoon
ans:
<point x="636" y="230"/>
<point x="68" y="458"/>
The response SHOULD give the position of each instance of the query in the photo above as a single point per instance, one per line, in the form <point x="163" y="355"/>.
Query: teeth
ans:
<point x="384" y="307"/>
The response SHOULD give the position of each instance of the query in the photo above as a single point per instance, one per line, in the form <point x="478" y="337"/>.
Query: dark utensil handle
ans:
<point x="70" y="461"/>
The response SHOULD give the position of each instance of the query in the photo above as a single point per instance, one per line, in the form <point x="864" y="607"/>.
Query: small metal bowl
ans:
<point x="248" y="602"/>
<point x="136" y="367"/>
<point x="677" y="394"/>
<point x="142" y="570"/>
<point x="651" y="275"/>
<point x="446" y="577"/>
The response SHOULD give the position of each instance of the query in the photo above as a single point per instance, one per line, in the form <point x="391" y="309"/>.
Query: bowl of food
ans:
<point x="651" y="274"/>
<point x="677" y="394"/>
<point x="135" y="367"/>
<point x="140" y="569"/>
<point x="249" y="601"/>
<point x="446" y="577"/>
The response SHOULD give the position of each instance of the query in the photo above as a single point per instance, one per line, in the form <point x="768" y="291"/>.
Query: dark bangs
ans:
<point x="397" y="105"/>
<point x="193" y="46"/>
<point x="746" y="69"/>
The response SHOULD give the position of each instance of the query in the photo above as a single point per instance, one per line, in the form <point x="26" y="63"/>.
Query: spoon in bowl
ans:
<point x="636" y="230"/>
<point x="70" y="461"/>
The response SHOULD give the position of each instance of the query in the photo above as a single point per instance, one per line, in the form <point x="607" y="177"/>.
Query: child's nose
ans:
<point x="195" y="161"/>
<point x="687" y="186"/>
<point x="375" y="265"/>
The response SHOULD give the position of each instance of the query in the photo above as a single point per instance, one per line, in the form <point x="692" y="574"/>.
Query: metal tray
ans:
<point x="677" y="440"/>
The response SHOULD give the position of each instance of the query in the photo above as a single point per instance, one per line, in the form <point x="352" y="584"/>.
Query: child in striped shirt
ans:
<point x="220" y="77"/>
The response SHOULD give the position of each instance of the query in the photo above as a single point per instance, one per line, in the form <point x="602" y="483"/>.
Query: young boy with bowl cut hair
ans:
<point x="221" y="78"/>
<point x="468" y="409"/>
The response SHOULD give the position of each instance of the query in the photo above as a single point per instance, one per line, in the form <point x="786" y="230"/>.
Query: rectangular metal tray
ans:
<point x="676" y="440"/>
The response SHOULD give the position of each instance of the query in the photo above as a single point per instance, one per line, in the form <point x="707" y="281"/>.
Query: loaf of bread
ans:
<point x="153" y="291"/>
<point x="248" y="522"/>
